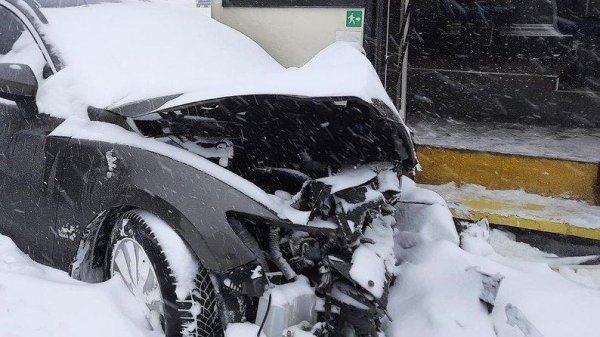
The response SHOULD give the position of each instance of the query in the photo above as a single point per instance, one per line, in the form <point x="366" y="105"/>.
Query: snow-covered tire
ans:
<point x="190" y="307"/>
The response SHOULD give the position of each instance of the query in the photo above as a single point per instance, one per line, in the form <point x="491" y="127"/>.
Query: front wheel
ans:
<point x="163" y="275"/>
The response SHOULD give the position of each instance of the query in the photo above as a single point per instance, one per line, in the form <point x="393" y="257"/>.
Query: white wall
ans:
<point x="291" y="35"/>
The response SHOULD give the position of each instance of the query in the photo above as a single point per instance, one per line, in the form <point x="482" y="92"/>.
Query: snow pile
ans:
<point x="434" y="295"/>
<point x="349" y="178"/>
<point x="340" y="70"/>
<point x="136" y="50"/>
<point x="587" y="276"/>
<point x="506" y="244"/>
<point x="25" y="51"/>
<point x="475" y="238"/>
<point x="423" y="215"/>
<point x="437" y="294"/>
<point x="39" y="301"/>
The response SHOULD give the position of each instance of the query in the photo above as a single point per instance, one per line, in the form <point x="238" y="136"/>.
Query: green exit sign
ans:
<point x="354" y="18"/>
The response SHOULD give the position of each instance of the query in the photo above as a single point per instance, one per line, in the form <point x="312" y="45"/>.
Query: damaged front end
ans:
<point x="333" y="168"/>
<point x="328" y="275"/>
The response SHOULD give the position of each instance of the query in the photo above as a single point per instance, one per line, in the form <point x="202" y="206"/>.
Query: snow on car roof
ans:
<point x="117" y="53"/>
<point x="113" y="51"/>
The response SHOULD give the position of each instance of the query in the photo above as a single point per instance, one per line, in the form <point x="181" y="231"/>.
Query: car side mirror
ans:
<point x="17" y="83"/>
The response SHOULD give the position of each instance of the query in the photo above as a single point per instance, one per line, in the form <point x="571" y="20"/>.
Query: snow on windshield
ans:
<point x="117" y="53"/>
<point x="113" y="51"/>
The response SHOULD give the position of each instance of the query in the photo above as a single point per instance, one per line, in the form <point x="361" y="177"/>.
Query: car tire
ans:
<point x="198" y="314"/>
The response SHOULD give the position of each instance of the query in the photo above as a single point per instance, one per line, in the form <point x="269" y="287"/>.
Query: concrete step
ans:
<point x="516" y="95"/>
<point x="555" y="162"/>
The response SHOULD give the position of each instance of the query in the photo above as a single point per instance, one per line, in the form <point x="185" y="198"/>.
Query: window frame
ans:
<point x="32" y="30"/>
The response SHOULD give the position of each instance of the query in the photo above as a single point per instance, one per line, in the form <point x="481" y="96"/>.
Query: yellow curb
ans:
<point x="541" y="225"/>
<point x="496" y="171"/>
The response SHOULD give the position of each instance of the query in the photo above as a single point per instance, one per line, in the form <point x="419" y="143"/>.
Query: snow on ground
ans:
<point x="39" y="301"/>
<point x="436" y="292"/>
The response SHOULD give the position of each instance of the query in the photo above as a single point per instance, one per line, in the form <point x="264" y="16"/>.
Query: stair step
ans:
<point x="520" y="96"/>
<point x="549" y="161"/>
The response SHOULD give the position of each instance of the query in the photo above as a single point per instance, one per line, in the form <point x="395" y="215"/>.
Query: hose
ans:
<point x="277" y="256"/>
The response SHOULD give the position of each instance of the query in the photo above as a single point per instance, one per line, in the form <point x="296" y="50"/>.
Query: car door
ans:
<point x="27" y="206"/>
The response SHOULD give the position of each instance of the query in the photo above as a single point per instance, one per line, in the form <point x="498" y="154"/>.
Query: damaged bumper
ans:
<point x="342" y="253"/>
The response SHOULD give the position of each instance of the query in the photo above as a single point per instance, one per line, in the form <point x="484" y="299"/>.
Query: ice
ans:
<point x="111" y="161"/>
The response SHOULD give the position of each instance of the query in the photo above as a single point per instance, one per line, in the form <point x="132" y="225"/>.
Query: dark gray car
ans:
<point x="237" y="177"/>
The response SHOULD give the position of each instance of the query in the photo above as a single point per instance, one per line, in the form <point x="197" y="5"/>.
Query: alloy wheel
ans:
<point x="131" y="263"/>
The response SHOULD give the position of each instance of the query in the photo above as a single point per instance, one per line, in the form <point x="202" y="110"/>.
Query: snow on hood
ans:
<point x="340" y="70"/>
<point x="117" y="53"/>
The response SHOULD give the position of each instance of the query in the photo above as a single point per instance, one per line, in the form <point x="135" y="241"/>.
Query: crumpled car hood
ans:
<point x="341" y="70"/>
<point x="106" y="62"/>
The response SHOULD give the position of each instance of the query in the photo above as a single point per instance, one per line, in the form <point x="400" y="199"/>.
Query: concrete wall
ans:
<point x="291" y="35"/>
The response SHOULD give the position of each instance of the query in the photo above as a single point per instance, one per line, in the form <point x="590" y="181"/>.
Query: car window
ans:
<point x="17" y="45"/>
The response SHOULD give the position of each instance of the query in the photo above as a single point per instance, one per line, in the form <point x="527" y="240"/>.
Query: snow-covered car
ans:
<point x="145" y="140"/>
